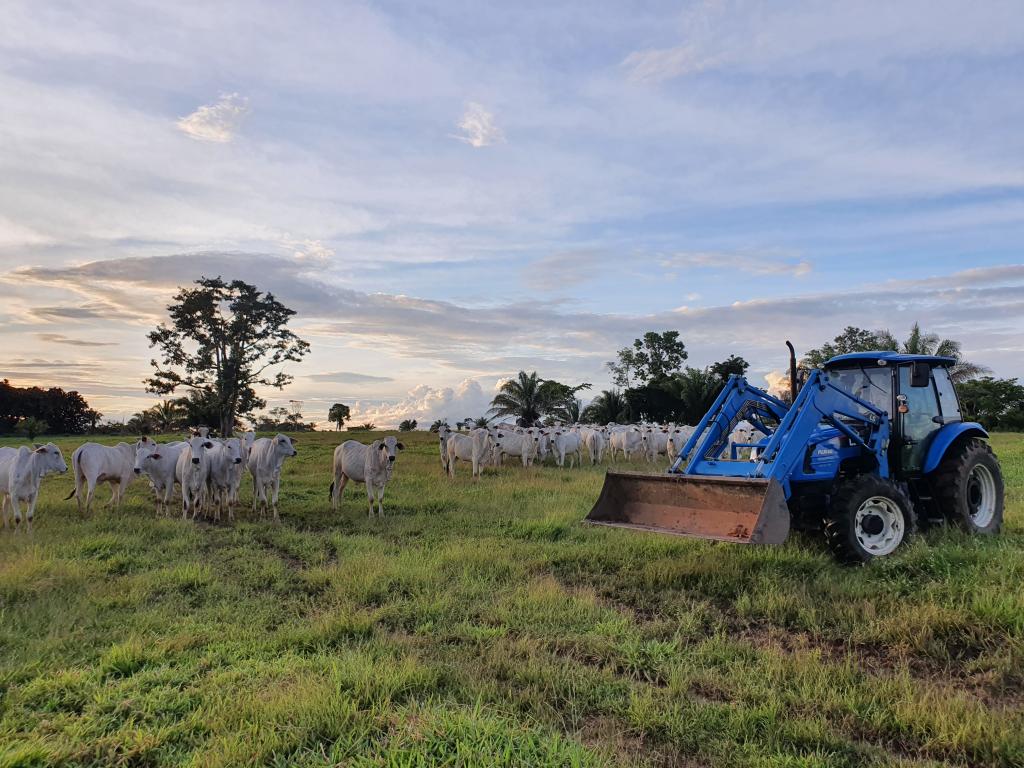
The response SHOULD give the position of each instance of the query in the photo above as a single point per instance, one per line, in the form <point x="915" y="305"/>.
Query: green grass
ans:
<point x="481" y="624"/>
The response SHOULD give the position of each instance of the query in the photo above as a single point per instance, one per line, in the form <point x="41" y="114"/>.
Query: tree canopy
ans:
<point x="528" y="397"/>
<point x="222" y="340"/>
<point x="339" y="414"/>
<point x="652" y="358"/>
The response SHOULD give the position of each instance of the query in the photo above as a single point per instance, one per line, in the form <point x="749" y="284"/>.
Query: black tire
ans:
<point x="861" y="541"/>
<point x="964" y="485"/>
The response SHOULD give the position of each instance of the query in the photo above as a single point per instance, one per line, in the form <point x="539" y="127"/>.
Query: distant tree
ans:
<point x="994" y="403"/>
<point x="921" y="343"/>
<point x="367" y="426"/>
<point x="165" y="416"/>
<point x="407" y="425"/>
<point x="652" y="358"/>
<point x="436" y="426"/>
<point x="66" y="412"/>
<point x="222" y="339"/>
<point x="696" y="389"/>
<point x="93" y="416"/>
<point x="30" y="426"/>
<point x="731" y="365"/>
<point x="520" y="398"/>
<point x="852" y="339"/>
<point x="609" y="406"/>
<point x="481" y="421"/>
<point x="338" y="414"/>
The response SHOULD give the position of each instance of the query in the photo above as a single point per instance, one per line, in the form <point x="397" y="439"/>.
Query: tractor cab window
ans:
<point x="873" y="385"/>
<point x="919" y="422"/>
<point x="947" y="396"/>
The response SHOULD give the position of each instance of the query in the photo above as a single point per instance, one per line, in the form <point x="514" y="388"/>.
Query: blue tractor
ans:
<point x="871" y="446"/>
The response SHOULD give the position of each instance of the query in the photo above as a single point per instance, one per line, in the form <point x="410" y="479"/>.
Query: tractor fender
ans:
<point x="945" y="437"/>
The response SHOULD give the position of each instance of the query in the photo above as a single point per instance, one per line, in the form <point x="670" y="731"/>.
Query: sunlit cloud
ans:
<point x="217" y="122"/>
<point x="478" y="128"/>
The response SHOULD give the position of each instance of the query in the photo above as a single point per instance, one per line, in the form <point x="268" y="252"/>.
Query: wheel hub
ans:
<point x="981" y="495"/>
<point x="879" y="526"/>
<point x="872" y="525"/>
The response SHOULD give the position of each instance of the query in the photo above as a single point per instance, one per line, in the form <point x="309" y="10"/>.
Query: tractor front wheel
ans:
<point x="969" y="488"/>
<point x="868" y="517"/>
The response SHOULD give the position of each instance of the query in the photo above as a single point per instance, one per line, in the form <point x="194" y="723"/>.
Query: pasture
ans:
<point x="480" y="623"/>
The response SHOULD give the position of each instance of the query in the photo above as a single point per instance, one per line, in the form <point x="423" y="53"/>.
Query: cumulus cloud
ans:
<point x="478" y="127"/>
<point x="218" y="121"/>
<point x="426" y="404"/>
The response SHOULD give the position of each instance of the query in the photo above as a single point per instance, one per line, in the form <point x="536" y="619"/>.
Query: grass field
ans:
<point x="482" y="624"/>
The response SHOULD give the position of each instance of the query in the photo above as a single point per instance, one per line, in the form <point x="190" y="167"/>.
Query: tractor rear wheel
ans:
<point x="968" y="487"/>
<point x="868" y="517"/>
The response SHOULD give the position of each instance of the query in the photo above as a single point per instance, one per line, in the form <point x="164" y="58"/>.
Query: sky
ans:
<point x="447" y="192"/>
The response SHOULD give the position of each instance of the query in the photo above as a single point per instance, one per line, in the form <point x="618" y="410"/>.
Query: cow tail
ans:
<point x="330" y="493"/>
<point x="74" y="467"/>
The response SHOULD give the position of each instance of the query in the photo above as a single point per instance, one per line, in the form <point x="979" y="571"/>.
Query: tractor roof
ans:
<point x="893" y="358"/>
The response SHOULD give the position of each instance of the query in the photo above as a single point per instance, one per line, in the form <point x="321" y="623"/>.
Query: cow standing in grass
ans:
<point x="94" y="463"/>
<point x="370" y="464"/>
<point x="159" y="463"/>
<point x="21" y="470"/>
<point x="265" y="461"/>
<point x="476" y="448"/>
<point x="192" y="471"/>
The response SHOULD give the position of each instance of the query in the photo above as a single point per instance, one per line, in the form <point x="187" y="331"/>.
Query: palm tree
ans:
<point x="921" y="343"/>
<point x="609" y="406"/>
<point x="697" y="388"/>
<point x="407" y="425"/>
<point x="519" y="398"/>
<point x="481" y="421"/>
<point x="165" y="415"/>
<point x="436" y="426"/>
<point x="567" y="412"/>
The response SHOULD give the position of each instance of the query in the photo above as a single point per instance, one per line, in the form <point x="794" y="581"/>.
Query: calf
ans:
<point x="159" y="463"/>
<point x="94" y="463"/>
<point x="370" y="464"/>
<point x="21" y="471"/>
<point x="265" y="461"/>
<point x="566" y="442"/>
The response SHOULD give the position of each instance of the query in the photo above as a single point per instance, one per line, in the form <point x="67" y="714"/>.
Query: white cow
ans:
<point x="234" y="494"/>
<point x="566" y="442"/>
<point x="191" y="471"/>
<point x="744" y="433"/>
<point x="444" y="432"/>
<point x="625" y="439"/>
<point x="94" y="463"/>
<point x="370" y="464"/>
<point x="225" y="465"/>
<point x="158" y="463"/>
<point x="516" y="445"/>
<point x="21" y="470"/>
<point x="265" y="461"/>
<point x="475" y="448"/>
<point x="594" y="440"/>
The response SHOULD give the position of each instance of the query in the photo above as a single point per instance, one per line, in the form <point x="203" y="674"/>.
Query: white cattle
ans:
<point x="677" y="441"/>
<point x="21" y="470"/>
<point x="444" y="432"/>
<point x="566" y="442"/>
<point x="94" y="463"/>
<point x="265" y="460"/>
<point x="475" y="448"/>
<point x="657" y="443"/>
<point x="743" y="434"/>
<point x="625" y="439"/>
<point x="158" y="463"/>
<point x="518" y="445"/>
<point x="594" y="440"/>
<point x="245" y="446"/>
<point x="225" y="464"/>
<point x="370" y="464"/>
<point x="191" y="471"/>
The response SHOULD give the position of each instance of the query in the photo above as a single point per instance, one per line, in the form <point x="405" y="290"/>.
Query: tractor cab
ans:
<point x="915" y="391"/>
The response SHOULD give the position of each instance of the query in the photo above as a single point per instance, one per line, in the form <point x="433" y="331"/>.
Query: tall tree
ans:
<point x="852" y="339"/>
<point x="609" y="406"/>
<point x="338" y="414"/>
<point x="697" y="389"/>
<point x="222" y="340"/>
<point x="731" y="365"/>
<point x="919" y="342"/>
<point x="651" y="359"/>
<point x="520" y="398"/>
<point x="994" y="403"/>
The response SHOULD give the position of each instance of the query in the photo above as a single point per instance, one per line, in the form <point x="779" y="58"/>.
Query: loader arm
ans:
<point x="744" y="501"/>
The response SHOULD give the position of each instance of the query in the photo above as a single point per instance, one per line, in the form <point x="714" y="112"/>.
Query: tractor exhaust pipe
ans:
<point x="792" y="372"/>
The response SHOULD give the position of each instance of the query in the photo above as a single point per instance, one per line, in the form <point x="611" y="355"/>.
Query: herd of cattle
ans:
<point x="208" y="471"/>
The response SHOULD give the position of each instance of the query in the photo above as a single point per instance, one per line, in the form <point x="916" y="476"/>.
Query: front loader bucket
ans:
<point x="737" y="509"/>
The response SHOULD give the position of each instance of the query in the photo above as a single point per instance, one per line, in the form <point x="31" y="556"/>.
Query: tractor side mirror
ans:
<point x="920" y="374"/>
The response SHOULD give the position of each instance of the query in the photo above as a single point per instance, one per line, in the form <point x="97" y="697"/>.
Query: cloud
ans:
<point x="426" y="403"/>
<point x="348" y="377"/>
<point x="655" y="65"/>
<point x="218" y="121"/>
<point x="478" y="127"/>
<point x="60" y="338"/>
<point x="749" y="262"/>
<point x="565" y="269"/>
